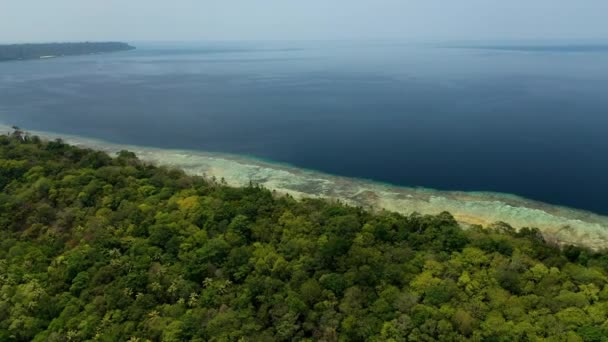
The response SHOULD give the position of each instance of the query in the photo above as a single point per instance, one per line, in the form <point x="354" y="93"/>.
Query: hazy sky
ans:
<point x="75" y="20"/>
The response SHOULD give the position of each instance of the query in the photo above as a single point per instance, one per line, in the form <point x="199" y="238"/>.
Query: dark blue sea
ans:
<point x="531" y="120"/>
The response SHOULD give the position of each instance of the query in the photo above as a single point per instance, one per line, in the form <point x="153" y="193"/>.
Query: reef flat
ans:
<point x="559" y="224"/>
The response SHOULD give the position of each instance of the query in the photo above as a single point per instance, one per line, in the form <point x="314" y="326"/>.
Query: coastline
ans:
<point x="560" y="224"/>
<point x="41" y="51"/>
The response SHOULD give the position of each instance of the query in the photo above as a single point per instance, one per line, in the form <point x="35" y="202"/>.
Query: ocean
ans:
<point x="529" y="121"/>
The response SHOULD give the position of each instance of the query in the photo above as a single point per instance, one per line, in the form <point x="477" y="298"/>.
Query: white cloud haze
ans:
<point x="132" y="20"/>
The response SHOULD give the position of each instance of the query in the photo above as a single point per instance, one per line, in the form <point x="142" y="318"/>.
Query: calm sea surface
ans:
<point x="526" y="121"/>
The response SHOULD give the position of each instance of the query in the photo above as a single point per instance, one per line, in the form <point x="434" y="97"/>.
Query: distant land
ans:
<point x="49" y="50"/>
<point x="541" y="48"/>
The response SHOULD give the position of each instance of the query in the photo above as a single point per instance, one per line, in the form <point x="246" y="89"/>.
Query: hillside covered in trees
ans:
<point x="111" y="249"/>
<point x="35" y="51"/>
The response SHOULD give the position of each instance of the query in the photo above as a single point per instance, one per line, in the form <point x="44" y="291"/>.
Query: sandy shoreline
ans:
<point x="561" y="224"/>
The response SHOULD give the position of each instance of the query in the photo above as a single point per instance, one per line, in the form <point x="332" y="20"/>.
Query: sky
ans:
<point x="198" y="20"/>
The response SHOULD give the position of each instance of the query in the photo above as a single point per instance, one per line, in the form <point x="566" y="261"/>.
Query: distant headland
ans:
<point x="15" y="52"/>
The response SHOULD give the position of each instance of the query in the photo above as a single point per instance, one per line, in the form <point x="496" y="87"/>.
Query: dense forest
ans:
<point x="94" y="247"/>
<point x="35" y="51"/>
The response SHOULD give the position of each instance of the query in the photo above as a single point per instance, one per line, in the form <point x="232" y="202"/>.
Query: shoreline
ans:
<point x="560" y="224"/>
<point x="42" y="51"/>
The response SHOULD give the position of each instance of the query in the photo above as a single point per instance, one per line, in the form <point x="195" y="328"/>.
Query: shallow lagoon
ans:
<point x="558" y="224"/>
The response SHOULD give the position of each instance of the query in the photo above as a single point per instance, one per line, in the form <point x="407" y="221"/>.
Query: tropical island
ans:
<point x="100" y="247"/>
<point x="48" y="50"/>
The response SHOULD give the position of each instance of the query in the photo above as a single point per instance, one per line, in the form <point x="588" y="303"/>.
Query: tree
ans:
<point x="95" y="247"/>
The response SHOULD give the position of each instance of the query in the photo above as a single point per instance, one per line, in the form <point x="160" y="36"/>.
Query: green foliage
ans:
<point x="33" y="51"/>
<point x="112" y="249"/>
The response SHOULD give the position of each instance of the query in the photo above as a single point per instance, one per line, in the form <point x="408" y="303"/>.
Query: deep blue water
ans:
<point x="531" y="122"/>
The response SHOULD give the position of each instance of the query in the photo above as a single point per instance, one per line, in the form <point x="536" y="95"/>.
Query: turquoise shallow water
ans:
<point x="558" y="224"/>
<point x="530" y="123"/>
